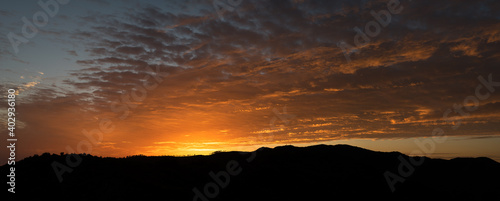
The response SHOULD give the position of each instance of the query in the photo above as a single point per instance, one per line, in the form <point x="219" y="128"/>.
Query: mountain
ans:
<point x="321" y="172"/>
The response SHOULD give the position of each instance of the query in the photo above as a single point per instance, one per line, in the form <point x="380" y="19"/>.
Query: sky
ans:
<point x="119" y="78"/>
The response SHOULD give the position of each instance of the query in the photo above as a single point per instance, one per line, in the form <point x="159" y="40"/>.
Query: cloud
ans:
<point x="272" y="54"/>
<point x="72" y="53"/>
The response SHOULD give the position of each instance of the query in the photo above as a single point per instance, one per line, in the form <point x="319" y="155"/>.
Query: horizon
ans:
<point x="117" y="79"/>
<point x="360" y="144"/>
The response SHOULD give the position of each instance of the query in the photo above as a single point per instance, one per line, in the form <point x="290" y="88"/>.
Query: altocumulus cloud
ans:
<point x="271" y="54"/>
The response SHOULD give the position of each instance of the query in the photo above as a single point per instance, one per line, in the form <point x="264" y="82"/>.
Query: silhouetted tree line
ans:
<point x="319" y="172"/>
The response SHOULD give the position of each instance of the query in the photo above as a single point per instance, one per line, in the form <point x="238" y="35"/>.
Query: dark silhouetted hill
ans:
<point x="319" y="172"/>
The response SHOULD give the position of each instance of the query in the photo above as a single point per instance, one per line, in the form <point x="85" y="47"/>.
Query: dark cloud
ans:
<point x="230" y="74"/>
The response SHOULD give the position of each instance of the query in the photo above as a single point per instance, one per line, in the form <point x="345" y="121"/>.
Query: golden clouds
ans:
<point x="224" y="80"/>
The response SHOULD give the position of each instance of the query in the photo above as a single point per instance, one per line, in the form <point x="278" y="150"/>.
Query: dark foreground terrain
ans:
<point x="284" y="173"/>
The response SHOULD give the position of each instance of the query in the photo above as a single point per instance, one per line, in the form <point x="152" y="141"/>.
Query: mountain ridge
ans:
<point x="283" y="172"/>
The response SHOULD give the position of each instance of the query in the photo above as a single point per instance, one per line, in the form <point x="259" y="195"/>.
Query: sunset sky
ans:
<point x="179" y="77"/>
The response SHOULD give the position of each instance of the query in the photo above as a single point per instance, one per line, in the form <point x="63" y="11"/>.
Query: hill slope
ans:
<point x="282" y="173"/>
